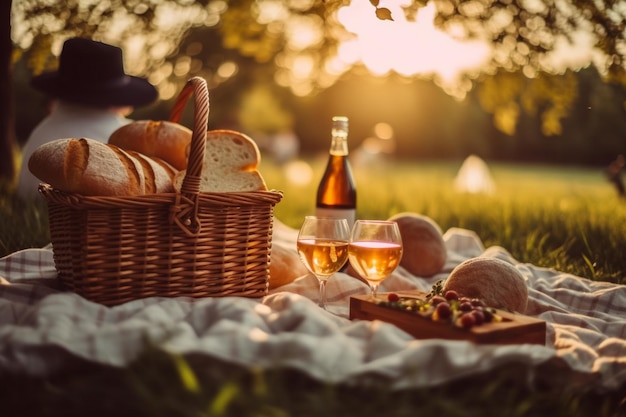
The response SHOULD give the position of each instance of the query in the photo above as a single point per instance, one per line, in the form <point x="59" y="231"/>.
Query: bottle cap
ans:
<point x="340" y="123"/>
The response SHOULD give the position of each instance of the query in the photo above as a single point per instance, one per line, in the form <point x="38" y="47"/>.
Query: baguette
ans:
<point x="231" y="163"/>
<point x="89" y="167"/>
<point x="158" y="174"/>
<point x="166" y="140"/>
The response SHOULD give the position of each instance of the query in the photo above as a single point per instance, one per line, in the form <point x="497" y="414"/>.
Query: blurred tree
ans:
<point x="299" y="39"/>
<point x="526" y="34"/>
<point x="506" y="94"/>
<point x="594" y="130"/>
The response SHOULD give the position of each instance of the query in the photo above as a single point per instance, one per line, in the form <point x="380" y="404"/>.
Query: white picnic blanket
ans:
<point x="42" y="328"/>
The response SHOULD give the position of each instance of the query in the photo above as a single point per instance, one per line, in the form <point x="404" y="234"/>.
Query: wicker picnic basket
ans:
<point x="111" y="250"/>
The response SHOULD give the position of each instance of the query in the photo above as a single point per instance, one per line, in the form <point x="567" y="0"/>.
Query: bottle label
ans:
<point x="348" y="214"/>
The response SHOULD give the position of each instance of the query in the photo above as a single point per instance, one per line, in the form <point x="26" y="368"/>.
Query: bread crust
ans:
<point x="89" y="167"/>
<point x="161" y="139"/>
<point x="425" y="252"/>
<point x="285" y="266"/>
<point x="496" y="282"/>
<point x="157" y="173"/>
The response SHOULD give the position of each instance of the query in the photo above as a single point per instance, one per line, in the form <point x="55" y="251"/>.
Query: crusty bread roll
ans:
<point x="89" y="167"/>
<point x="496" y="282"/>
<point x="424" y="253"/>
<point x="162" y="139"/>
<point x="231" y="163"/>
<point x="285" y="266"/>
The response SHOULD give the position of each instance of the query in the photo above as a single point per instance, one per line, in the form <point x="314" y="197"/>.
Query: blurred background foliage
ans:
<point x="279" y="67"/>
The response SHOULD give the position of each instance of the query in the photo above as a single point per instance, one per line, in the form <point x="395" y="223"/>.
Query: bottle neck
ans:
<point x="339" y="144"/>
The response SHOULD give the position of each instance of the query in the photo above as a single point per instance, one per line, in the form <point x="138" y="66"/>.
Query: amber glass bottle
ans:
<point x="336" y="194"/>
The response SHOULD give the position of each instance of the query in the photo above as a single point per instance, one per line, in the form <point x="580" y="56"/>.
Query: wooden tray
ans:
<point x="513" y="329"/>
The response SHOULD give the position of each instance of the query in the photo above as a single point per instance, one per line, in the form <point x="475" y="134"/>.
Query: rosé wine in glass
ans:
<point x="375" y="250"/>
<point x="323" y="248"/>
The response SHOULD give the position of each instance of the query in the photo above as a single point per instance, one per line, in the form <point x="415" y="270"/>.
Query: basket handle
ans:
<point x="185" y="210"/>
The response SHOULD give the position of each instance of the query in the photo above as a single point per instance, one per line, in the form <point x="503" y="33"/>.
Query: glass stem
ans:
<point x="374" y="290"/>
<point x="322" y="300"/>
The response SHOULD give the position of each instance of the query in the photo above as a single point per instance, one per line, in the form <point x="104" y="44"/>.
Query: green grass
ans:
<point x="159" y="384"/>
<point x="569" y="219"/>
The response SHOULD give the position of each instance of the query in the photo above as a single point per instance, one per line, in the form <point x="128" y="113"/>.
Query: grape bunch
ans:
<point x="450" y="307"/>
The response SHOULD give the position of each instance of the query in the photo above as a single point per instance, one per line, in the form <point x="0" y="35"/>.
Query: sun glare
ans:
<point x="405" y="47"/>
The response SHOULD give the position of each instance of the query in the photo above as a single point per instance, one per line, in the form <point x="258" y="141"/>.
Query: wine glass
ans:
<point x="375" y="250"/>
<point x="323" y="248"/>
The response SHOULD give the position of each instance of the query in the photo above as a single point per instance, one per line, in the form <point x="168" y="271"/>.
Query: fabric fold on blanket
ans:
<point x="586" y="326"/>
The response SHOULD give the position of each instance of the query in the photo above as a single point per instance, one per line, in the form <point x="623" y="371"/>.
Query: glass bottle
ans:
<point x="336" y="193"/>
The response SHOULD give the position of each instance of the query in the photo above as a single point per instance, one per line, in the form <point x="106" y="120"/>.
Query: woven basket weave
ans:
<point x="111" y="250"/>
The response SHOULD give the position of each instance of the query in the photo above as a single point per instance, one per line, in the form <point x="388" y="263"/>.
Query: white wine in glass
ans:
<point x="323" y="248"/>
<point x="375" y="250"/>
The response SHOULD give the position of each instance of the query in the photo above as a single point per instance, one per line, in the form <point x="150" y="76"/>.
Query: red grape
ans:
<point x="465" y="306"/>
<point x="479" y="316"/>
<point x="451" y="295"/>
<point x="436" y="299"/>
<point x="467" y="320"/>
<point x="444" y="311"/>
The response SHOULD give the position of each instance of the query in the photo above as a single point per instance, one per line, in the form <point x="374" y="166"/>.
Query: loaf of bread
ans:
<point x="166" y="140"/>
<point x="89" y="167"/>
<point x="425" y="252"/>
<point x="231" y="164"/>
<point x="498" y="283"/>
<point x="285" y="266"/>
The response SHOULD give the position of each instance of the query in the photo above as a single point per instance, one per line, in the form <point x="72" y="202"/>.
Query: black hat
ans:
<point x="92" y="73"/>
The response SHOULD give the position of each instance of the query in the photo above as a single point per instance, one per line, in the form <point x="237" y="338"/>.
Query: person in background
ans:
<point x="91" y="98"/>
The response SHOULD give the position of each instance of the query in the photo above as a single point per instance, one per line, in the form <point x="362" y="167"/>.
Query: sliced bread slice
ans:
<point x="231" y="162"/>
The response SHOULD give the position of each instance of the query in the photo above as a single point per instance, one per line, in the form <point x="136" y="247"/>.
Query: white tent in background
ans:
<point x="474" y="177"/>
